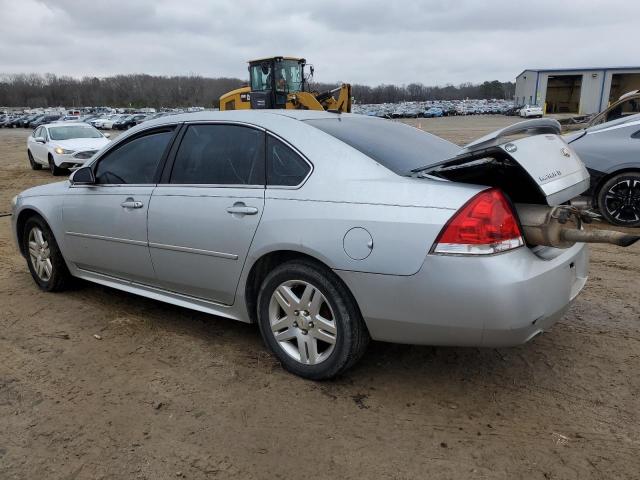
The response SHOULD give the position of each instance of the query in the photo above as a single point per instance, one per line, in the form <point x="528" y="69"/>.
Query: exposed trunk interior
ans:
<point x="494" y="168"/>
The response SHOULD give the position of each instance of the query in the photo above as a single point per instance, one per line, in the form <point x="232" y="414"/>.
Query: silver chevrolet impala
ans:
<point x="325" y="229"/>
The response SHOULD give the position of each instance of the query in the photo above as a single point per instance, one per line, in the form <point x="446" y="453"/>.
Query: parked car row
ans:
<point x="430" y="109"/>
<point x="121" y="121"/>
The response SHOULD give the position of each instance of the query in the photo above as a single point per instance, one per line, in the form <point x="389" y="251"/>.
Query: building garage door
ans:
<point x="622" y="83"/>
<point x="563" y="93"/>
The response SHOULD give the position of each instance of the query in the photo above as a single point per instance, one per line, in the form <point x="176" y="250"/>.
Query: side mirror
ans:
<point x="106" y="135"/>
<point x="83" y="176"/>
<point x="39" y="140"/>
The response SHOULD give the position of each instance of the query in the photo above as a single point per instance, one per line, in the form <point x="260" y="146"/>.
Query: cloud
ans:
<point x="362" y="41"/>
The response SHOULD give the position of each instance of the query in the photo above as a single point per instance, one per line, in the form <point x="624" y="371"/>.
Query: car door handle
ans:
<point x="241" y="209"/>
<point x="131" y="203"/>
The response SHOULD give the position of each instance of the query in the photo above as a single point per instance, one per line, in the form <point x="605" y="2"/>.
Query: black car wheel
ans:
<point x="619" y="199"/>
<point x="55" y="170"/>
<point x="34" y="165"/>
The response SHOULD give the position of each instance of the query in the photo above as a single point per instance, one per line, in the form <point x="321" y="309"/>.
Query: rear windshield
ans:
<point x="395" y="145"/>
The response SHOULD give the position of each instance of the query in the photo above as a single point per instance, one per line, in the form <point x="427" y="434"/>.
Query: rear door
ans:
<point x="204" y="215"/>
<point x="106" y="223"/>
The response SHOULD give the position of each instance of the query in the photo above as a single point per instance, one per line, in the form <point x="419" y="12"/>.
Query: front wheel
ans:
<point x="34" y="165"/>
<point x="44" y="258"/>
<point x="619" y="199"/>
<point x="55" y="170"/>
<point x="310" y="321"/>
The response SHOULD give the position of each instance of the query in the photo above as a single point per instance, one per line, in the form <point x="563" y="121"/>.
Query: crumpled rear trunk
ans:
<point x="540" y="173"/>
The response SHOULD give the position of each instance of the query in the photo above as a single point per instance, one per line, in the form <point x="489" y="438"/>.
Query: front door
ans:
<point x="106" y="223"/>
<point x="39" y="150"/>
<point x="203" y="219"/>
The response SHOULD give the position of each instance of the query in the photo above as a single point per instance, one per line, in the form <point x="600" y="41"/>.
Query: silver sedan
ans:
<point x="325" y="229"/>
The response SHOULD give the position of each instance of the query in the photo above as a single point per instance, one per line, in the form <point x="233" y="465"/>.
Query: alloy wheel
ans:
<point x="622" y="201"/>
<point x="40" y="254"/>
<point x="302" y="322"/>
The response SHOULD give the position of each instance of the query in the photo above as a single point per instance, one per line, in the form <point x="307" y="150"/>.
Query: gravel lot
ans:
<point x="169" y="393"/>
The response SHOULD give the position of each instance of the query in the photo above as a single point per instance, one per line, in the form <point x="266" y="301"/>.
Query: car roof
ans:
<point x="249" y="116"/>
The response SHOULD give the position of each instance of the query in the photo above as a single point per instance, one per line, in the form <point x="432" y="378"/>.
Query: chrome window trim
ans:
<point x="211" y="185"/>
<point x="112" y="185"/>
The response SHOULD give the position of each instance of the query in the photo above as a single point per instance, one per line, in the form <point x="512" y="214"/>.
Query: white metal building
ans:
<point x="575" y="90"/>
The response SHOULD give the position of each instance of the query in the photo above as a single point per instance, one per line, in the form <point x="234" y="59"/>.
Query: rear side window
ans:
<point x="135" y="162"/>
<point x="399" y="147"/>
<point x="220" y="155"/>
<point x="284" y="166"/>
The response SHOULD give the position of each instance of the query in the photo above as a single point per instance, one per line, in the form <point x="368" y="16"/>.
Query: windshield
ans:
<point x="394" y="145"/>
<point x="288" y="76"/>
<point x="73" y="131"/>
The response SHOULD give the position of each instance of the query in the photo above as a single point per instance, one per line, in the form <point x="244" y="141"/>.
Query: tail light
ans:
<point x="486" y="224"/>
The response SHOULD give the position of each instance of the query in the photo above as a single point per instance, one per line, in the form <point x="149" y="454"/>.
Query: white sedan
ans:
<point x="531" y="111"/>
<point x="63" y="145"/>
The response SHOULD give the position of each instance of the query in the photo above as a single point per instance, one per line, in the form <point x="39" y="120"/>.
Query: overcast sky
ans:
<point x="361" y="41"/>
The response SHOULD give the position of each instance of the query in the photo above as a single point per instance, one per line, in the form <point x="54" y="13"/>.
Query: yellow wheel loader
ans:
<point x="280" y="82"/>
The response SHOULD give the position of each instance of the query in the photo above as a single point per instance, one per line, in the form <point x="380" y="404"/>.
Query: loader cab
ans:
<point x="272" y="79"/>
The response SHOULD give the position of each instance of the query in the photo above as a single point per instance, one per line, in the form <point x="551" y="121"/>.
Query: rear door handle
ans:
<point x="131" y="203"/>
<point x="241" y="209"/>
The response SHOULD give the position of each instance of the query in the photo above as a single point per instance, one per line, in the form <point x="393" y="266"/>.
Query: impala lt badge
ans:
<point x="550" y="175"/>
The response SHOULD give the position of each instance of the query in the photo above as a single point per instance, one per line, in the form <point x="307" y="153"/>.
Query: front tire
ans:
<point x="619" y="199"/>
<point x="34" y="165"/>
<point x="55" y="170"/>
<point x="45" y="261"/>
<point x="310" y="321"/>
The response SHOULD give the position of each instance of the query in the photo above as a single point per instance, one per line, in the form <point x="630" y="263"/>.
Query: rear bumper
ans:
<point x="499" y="300"/>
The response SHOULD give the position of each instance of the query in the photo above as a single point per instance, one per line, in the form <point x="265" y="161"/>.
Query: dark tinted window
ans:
<point x="284" y="166"/>
<point x="135" y="162"/>
<point x="220" y="155"/>
<point x="395" y="145"/>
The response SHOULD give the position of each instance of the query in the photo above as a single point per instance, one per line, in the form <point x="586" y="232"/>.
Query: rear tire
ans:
<point x="34" y="165"/>
<point x="320" y="332"/>
<point x="55" y="170"/>
<point x="619" y="199"/>
<point x="45" y="261"/>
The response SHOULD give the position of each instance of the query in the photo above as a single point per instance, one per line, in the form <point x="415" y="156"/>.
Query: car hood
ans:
<point x="79" y="144"/>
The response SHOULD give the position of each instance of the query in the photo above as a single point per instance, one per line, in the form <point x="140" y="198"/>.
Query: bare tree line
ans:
<point x="140" y="90"/>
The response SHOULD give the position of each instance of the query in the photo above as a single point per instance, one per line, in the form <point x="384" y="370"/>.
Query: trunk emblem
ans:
<point x="510" y="147"/>
<point x="565" y="151"/>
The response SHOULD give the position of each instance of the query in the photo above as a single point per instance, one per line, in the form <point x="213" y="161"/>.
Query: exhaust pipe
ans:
<point x="561" y="227"/>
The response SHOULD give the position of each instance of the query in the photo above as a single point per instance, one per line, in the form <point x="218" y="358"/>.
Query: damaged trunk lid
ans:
<point x="528" y="160"/>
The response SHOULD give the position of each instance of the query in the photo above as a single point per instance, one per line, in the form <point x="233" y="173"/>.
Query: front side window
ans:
<point x="135" y="162"/>
<point x="260" y="77"/>
<point x="220" y="155"/>
<point x="284" y="166"/>
<point x="288" y="76"/>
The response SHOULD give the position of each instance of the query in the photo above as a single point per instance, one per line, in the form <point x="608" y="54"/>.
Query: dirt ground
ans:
<point x="168" y="393"/>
